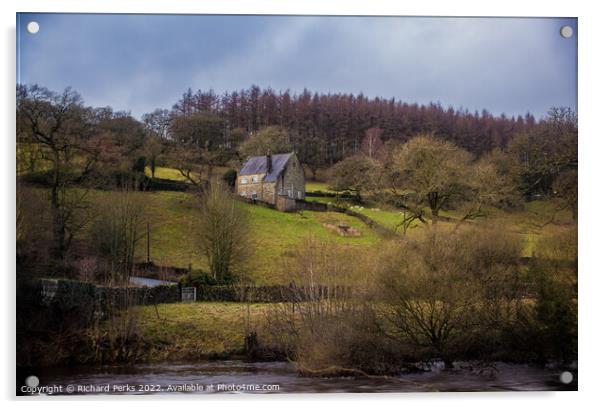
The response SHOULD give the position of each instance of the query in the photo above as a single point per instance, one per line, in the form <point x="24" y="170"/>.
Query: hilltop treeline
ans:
<point x="330" y="127"/>
<point x="204" y="130"/>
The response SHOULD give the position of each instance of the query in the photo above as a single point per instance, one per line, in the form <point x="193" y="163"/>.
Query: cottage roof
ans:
<point x="259" y="164"/>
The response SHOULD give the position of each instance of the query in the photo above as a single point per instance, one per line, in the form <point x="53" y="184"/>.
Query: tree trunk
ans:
<point x="58" y="224"/>
<point x="433" y="200"/>
<point x="435" y="215"/>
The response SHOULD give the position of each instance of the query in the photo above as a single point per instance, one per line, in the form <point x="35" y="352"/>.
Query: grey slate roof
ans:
<point x="259" y="164"/>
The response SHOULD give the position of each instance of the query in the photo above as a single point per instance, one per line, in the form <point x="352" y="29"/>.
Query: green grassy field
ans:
<point x="528" y="224"/>
<point x="176" y="175"/>
<point x="317" y="187"/>
<point x="289" y="229"/>
<point x="167" y="173"/>
<point x="197" y="330"/>
<point x="273" y="234"/>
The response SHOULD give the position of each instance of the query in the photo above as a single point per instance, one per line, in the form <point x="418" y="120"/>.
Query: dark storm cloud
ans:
<point x="141" y="62"/>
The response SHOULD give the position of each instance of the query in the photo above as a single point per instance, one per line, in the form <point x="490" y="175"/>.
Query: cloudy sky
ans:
<point x="142" y="62"/>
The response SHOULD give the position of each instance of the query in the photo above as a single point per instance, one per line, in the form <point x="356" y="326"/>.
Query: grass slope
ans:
<point x="529" y="224"/>
<point x="176" y="175"/>
<point x="317" y="187"/>
<point x="273" y="234"/>
<point x="276" y="233"/>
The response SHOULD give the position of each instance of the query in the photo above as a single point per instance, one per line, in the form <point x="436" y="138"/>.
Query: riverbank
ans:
<point x="235" y="376"/>
<point x="203" y="343"/>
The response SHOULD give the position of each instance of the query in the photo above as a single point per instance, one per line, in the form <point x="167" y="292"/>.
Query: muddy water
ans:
<point x="279" y="377"/>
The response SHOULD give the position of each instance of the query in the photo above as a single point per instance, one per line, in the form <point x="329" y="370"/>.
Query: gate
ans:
<point x="188" y="294"/>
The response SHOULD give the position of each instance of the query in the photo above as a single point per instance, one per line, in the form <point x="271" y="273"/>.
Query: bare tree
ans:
<point x="116" y="231"/>
<point x="485" y="187"/>
<point x="273" y="139"/>
<point x="322" y="325"/>
<point x="356" y="174"/>
<point x="450" y="288"/>
<point x="194" y="164"/>
<point x="198" y="140"/>
<point x="157" y="122"/>
<point x="372" y="144"/>
<point x="544" y="152"/>
<point x="565" y="188"/>
<point x="59" y="123"/>
<point x="428" y="172"/>
<point x="153" y="149"/>
<point x="223" y="234"/>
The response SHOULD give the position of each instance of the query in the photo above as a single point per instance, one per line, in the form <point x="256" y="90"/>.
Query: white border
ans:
<point x="590" y="145"/>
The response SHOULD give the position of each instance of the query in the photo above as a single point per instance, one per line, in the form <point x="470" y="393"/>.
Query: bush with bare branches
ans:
<point x="444" y="295"/>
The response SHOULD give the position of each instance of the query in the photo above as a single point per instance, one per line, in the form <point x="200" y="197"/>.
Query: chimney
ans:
<point x="268" y="158"/>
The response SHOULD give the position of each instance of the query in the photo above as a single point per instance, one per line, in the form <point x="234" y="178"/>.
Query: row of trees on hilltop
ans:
<point x="207" y="129"/>
<point x="326" y="128"/>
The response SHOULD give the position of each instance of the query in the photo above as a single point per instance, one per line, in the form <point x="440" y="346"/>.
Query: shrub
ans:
<point x="197" y="278"/>
<point x="554" y="271"/>
<point x="328" y="329"/>
<point x="230" y="178"/>
<point x="444" y="297"/>
<point x="139" y="165"/>
<point x="116" y="232"/>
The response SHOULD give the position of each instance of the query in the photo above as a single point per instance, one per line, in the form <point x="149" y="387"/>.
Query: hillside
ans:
<point x="273" y="233"/>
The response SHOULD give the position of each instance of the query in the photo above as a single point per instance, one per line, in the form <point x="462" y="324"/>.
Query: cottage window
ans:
<point x="299" y="194"/>
<point x="254" y="179"/>
<point x="244" y="181"/>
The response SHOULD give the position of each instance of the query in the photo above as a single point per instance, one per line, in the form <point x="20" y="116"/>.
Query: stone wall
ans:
<point x="70" y="294"/>
<point x="285" y="203"/>
<point x="256" y="202"/>
<point x="313" y="206"/>
<point x="269" y="192"/>
<point x="292" y="178"/>
<point x="247" y="189"/>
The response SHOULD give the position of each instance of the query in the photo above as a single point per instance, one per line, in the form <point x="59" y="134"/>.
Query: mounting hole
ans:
<point x="566" y="31"/>
<point x="33" y="27"/>
<point x="566" y="377"/>
<point x="32" y="381"/>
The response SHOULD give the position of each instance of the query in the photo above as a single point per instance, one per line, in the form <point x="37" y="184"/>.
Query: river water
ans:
<point x="233" y="376"/>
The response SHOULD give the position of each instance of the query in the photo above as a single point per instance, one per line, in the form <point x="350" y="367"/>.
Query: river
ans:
<point x="233" y="376"/>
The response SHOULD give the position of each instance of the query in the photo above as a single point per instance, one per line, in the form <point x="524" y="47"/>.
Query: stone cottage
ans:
<point x="275" y="179"/>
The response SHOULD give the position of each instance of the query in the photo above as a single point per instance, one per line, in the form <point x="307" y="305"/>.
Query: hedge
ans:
<point x="84" y="300"/>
